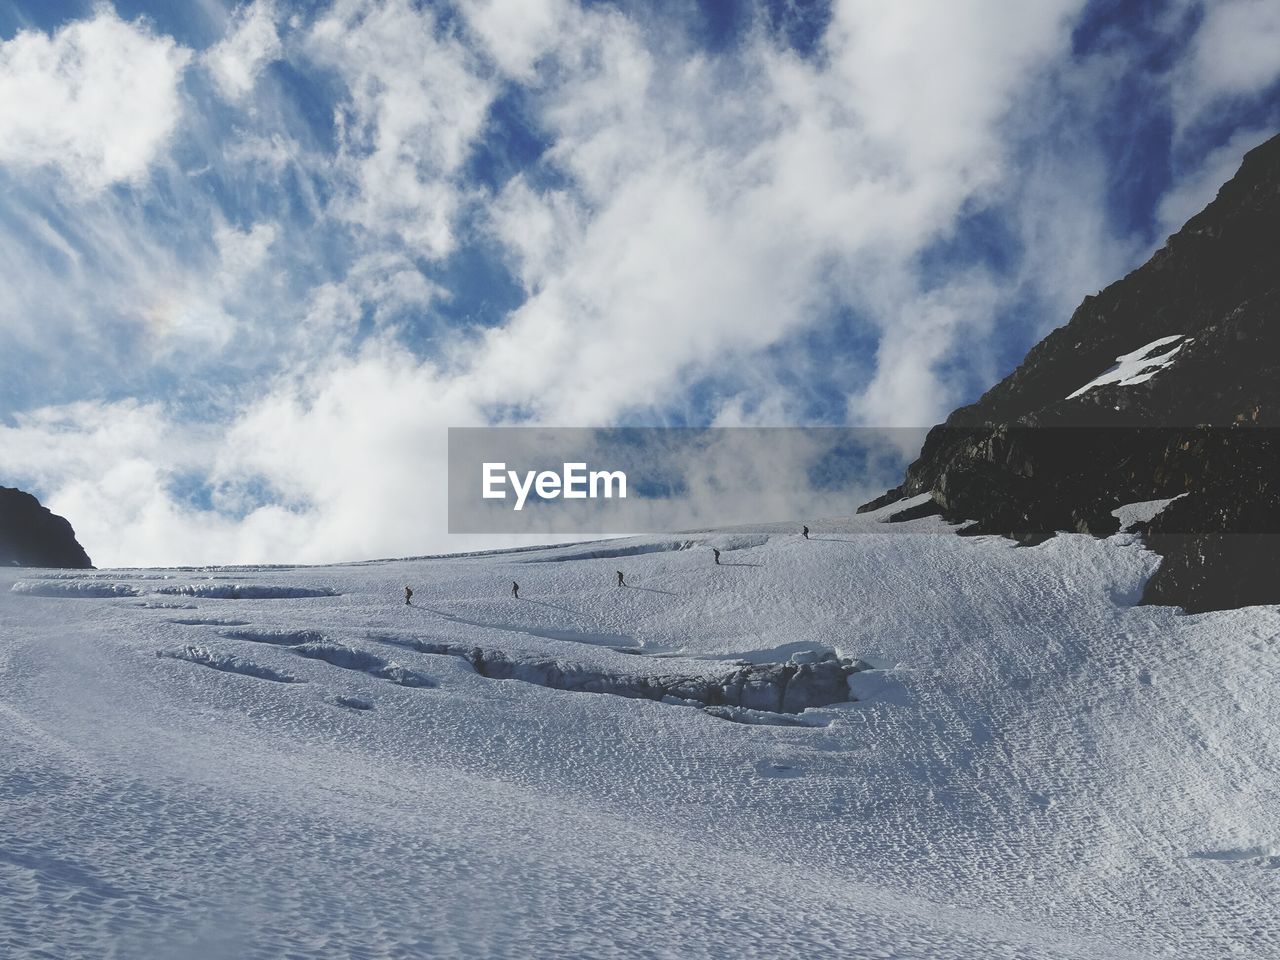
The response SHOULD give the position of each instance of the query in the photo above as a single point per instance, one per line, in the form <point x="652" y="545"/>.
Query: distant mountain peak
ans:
<point x="32" y="536"/>
<point x="1162" y="385"/>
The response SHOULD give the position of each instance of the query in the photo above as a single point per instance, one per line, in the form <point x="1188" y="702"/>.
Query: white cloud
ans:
<point x="924" y="330"/>
<point x="100" y="297"/>
<point x="357" y="452"/>
<point x="98" y="100"/>
<point x="236" y="61"/>
<point x="243" y="251"/>
<point x="204" y="311"/>
<point x="928" y="80"/>
<point x="416" y="103"/>
<point x="517" y="33"/>
<point x="387" y="286"/>
<point x="716" y="208"/>
<point x="1068" y="247"/>
<point x="538" y="229"/>
<point x="1235" y="51"/>
<point x="105" y="465"/>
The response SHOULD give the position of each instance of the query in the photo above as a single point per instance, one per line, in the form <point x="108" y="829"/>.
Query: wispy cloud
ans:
<point x="1234" y="53"/>
<point x="250" y="45"/>
<point x="414" y="105"/>
<point x="98" y="100"/>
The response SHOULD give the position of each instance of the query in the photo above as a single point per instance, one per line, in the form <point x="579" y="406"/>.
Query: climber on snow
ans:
<point x="621" y="582"/>
<point x="408" y="595"/>
<point x="515" y="589"/>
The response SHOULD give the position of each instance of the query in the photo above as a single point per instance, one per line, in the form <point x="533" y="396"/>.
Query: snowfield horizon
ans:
<point x="266" y="762"/>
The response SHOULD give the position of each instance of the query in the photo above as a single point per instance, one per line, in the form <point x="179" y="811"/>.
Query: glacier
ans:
<point x="1026" y="764"/>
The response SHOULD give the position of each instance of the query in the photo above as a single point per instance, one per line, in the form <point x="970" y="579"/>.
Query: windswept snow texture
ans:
<point x="1140" y="365"/>
<point x="1032" y="768"/>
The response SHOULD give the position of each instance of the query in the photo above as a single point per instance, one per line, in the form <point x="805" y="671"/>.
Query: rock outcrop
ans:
<point x="1166" y="384"/>
<point x="31" y="536"/>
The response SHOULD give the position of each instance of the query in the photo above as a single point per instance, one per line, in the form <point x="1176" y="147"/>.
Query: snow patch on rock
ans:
<point x="1139" y="366"/>
<point x="1131" y="514"/>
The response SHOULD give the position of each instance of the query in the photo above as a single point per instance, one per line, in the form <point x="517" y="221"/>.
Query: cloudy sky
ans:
<point x="255" y="258"/>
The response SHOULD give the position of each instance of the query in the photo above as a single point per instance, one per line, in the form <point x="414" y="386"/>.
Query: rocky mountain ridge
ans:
<point x="32" y="536"/>
<point x="1164" y="385"/>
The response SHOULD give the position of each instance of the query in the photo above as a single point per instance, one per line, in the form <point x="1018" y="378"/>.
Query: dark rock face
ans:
<point x="31" y="536"/>
<point x="1037" y="454"/>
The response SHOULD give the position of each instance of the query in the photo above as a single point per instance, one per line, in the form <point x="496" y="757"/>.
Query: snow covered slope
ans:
<point x="1034" y="767"/>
